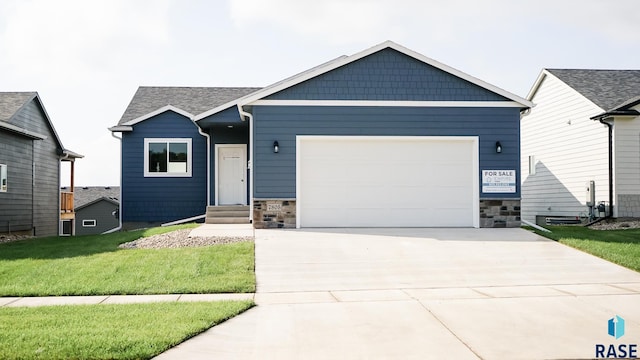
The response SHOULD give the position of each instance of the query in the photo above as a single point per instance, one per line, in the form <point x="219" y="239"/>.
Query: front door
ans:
<point x="231" y="174"/>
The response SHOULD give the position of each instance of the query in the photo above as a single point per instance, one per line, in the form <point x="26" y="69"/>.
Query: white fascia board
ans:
<point x="386" y="103"/>
<point x="459" y="73"/>
<point x="314" y="72"/>
<point x="387" y="44"/>
<point x="259" y="94"/>
<point x="532" y="92"/>
<point x="344" y="60"/>
<point x="158" y="112"/>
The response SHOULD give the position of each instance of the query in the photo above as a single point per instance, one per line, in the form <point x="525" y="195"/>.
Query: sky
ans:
<point x="86" y="58"/>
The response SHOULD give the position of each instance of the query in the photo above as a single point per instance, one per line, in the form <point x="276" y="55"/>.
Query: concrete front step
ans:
<point x="234" y="213"/>
<point x="228" y="214"/>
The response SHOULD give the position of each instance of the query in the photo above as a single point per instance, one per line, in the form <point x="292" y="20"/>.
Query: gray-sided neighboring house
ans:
<point x="30" y="161"/>
<point x="386" y="137"/>
<point x="97" y="209"/>
<point x="581" y="146"/>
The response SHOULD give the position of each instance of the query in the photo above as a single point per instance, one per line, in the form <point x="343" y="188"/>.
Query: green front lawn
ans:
<point x="94" y="265"/>
<point x="619" y="246"/>
<point x="134" y="331"/>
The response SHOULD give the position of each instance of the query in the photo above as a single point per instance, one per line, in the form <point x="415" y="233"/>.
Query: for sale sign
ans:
<point x="498" y="181"/>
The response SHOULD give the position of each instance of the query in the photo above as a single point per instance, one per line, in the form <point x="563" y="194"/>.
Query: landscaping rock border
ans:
<point x="181" y="238"/>
<point x="5" y="238"/>
<point x="618" y="224"/>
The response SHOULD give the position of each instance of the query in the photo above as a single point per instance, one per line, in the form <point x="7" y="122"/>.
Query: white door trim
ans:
<point x="475" y="155"/>
<point x="217" y="169"/>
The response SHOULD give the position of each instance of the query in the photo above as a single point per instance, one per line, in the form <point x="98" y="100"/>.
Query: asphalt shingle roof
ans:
<point x="11" y="102"/>
<point x="605" y="88"/>
<point x="194" y="100"/>
<point x="83" y="195"/>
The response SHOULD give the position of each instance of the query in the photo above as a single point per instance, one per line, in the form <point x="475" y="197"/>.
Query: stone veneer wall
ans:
<point x="499" y="213"/>
<point x="276" y="213"/>
<point x="628" y="205"/>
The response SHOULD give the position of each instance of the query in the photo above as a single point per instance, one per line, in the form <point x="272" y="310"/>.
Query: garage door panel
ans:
<point x="452" y="217"/>
<point x="380" y="181"/>
<point x="422" y="194"/>
<point x="409" y="217"/>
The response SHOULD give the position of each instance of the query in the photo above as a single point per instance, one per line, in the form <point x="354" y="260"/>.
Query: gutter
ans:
<point x="250" y="116"/>
<point x="208" y="137"/>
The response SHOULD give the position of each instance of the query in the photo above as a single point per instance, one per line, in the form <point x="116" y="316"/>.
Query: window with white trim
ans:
<point x="167" y="157"/>
<point x="89" y="223"/>
<point x="3" y="178"/>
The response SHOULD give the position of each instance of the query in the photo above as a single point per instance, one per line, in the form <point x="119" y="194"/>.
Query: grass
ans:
<point x="94" y="265"/>
<point x="134" y="331"/>
<point x="618" y="246"/>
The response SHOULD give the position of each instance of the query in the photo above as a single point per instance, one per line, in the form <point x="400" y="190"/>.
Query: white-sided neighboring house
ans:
<point x="565" y="145"/>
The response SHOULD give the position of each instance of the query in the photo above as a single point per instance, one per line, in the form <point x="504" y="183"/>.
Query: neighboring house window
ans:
<point x="3" y="178"/>
<point x="167" y="157"/>
<point x="532" y="165"/>
<point x="88" y="223"/>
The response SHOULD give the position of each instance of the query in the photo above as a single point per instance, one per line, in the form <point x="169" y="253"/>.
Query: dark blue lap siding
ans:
<point x="160" y="199"/>
<point x="275" y="174"/>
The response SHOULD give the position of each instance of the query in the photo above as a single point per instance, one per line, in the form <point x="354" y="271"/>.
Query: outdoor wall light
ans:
<point x="498" y="147"/>
<point x="276" y="147"/>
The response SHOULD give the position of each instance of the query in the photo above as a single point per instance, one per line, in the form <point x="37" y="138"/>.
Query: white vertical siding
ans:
<point x="626" y="134"/>
<point x="569" y="148"/>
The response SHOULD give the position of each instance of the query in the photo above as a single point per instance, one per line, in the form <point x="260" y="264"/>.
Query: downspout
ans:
<point x="610" y="126"/>
<point x="244" y="113"/>
<point x="208" y="137"/>
<point x="203" y="216"/>
<point x="120" y="195"/>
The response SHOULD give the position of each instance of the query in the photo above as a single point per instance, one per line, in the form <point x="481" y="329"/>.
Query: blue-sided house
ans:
<point x="383" y="138"/>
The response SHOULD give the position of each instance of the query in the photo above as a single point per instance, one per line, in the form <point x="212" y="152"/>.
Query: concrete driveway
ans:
<point x="424" y="293"/>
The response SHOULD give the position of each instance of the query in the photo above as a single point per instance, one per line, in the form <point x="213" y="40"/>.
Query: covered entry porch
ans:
<point x="229" y="168"/>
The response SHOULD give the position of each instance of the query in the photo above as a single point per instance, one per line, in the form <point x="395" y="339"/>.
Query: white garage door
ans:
<point x="381" y="181"/>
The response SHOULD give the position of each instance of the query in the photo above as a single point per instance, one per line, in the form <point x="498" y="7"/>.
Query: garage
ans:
<point x="387" y="181"/>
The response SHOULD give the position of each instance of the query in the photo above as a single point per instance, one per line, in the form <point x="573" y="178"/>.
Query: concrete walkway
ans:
<point x="412" y="294"/>
<point x="423" y="293"/>
<point x="117" y="299"/>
